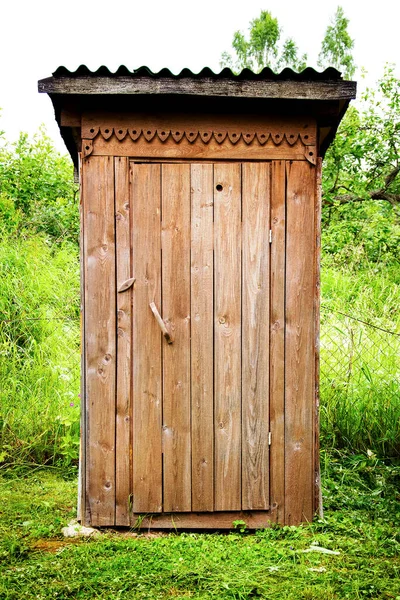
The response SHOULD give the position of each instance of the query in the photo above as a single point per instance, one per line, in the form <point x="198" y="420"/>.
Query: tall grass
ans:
<point x="39" y="351"/>
<point x="360" y="358"/>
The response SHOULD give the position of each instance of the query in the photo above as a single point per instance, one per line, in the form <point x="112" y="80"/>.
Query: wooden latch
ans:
<point x="126" y="285"/>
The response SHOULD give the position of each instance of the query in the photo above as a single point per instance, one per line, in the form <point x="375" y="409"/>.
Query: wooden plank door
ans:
<point x="200" y="253"/>
<point x="185" y="427"/>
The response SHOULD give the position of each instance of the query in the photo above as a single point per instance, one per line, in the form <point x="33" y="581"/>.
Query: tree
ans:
<point x="262" y="49"/>
<point x="363" y="162"/>
<point x="361" y="181"/>
<point x="337" y="46"/>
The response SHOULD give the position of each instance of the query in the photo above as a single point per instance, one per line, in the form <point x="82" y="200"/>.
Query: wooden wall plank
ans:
<point x="81" y="508"/>
<point x="273" y="126"/>
<point x="197" y="151"/>
<point x="100" y="343"/>
<point x="176" y="357"/>
<point x="317" y="293"/>
<point x="227" y="335"/>
<point x="124" y="350"/>
<point x="277" y="341"/>
<point x="204" y="520"/>
<point x="255" y="335"/>
<point x="146" y="338"/>
<point x="202" y="342"/>
<point x="299" y="343"/>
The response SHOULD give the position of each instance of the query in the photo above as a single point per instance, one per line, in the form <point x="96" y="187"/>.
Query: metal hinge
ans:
<point x="269" y="438"/>
<point x="270" y="236"/>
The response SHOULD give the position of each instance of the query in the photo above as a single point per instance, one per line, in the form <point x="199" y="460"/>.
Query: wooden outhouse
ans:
<point x="200" y="212"/>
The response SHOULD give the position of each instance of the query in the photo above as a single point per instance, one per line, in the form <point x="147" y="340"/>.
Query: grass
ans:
<point x="362" y="510"/>
<point x="39" y="351"/>
<point x="360" y="366"/>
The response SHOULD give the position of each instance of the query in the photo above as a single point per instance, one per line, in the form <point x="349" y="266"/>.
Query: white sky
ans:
<point x="39" y="35"/>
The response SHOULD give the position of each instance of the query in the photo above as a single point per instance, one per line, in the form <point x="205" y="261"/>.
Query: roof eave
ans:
<point x="268" y="89"/>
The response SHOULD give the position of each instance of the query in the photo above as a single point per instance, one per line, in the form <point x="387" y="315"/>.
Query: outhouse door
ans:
<point x="200" y="252"/>
<point x="222" y="418"/>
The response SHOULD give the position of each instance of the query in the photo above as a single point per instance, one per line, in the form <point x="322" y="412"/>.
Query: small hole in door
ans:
<point x="219" y="187"/>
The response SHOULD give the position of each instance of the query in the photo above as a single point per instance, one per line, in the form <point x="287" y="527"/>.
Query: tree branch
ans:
<point x="381" y="194"/>
<point x="391" y="177"/>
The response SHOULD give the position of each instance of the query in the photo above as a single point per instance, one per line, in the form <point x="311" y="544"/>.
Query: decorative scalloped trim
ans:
<point x="206" y="135"/>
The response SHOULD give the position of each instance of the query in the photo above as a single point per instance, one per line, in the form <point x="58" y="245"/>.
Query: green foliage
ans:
<point x="39" y="304"/>
<point x="363" y="161"/>
<point x="261" y="49"/>
<point x="361" y="516"/>
<point x="360" y="377"/>
<point x="39" y="351"/>
<point x="361" y="187"/>
<point x="337" y="46"/>
<point x="37" y="192"/>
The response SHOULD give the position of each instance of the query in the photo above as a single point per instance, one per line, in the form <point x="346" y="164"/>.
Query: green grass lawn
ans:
<point x="361" y="521"/>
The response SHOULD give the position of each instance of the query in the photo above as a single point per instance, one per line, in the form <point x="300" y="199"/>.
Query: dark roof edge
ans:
<point x="308" y="74"/>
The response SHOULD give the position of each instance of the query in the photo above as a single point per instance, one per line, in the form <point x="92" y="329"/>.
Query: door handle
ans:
<point x="161" y="323"/>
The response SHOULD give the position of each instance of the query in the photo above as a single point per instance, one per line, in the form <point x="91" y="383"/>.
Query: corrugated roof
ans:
<point x="267" y="74"/>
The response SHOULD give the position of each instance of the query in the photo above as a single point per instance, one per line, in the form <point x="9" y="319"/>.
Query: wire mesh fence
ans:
<point x="359" y="384"/>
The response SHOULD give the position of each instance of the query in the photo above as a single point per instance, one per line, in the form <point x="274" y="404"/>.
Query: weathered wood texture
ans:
<point x="197" y="151"/>
<point x="260" y="128"/>
<point x="318" y="508"/>
<point x="203" y="520"/>
<point x="146" y="339"/>
<point x="81" y="511"/>
<point x="299" y="343"/>
<point x="176" y="356"/>
<point x="202" y="342"/>
<point x="100" y="342"/>
<point x="291" y="90"/>
<point x="227" y="335"/>
<point x="277" y="341"/>
<point x="255" y="335"/>
<point x="199" y="136"/>
<point x="123" y="342"/>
